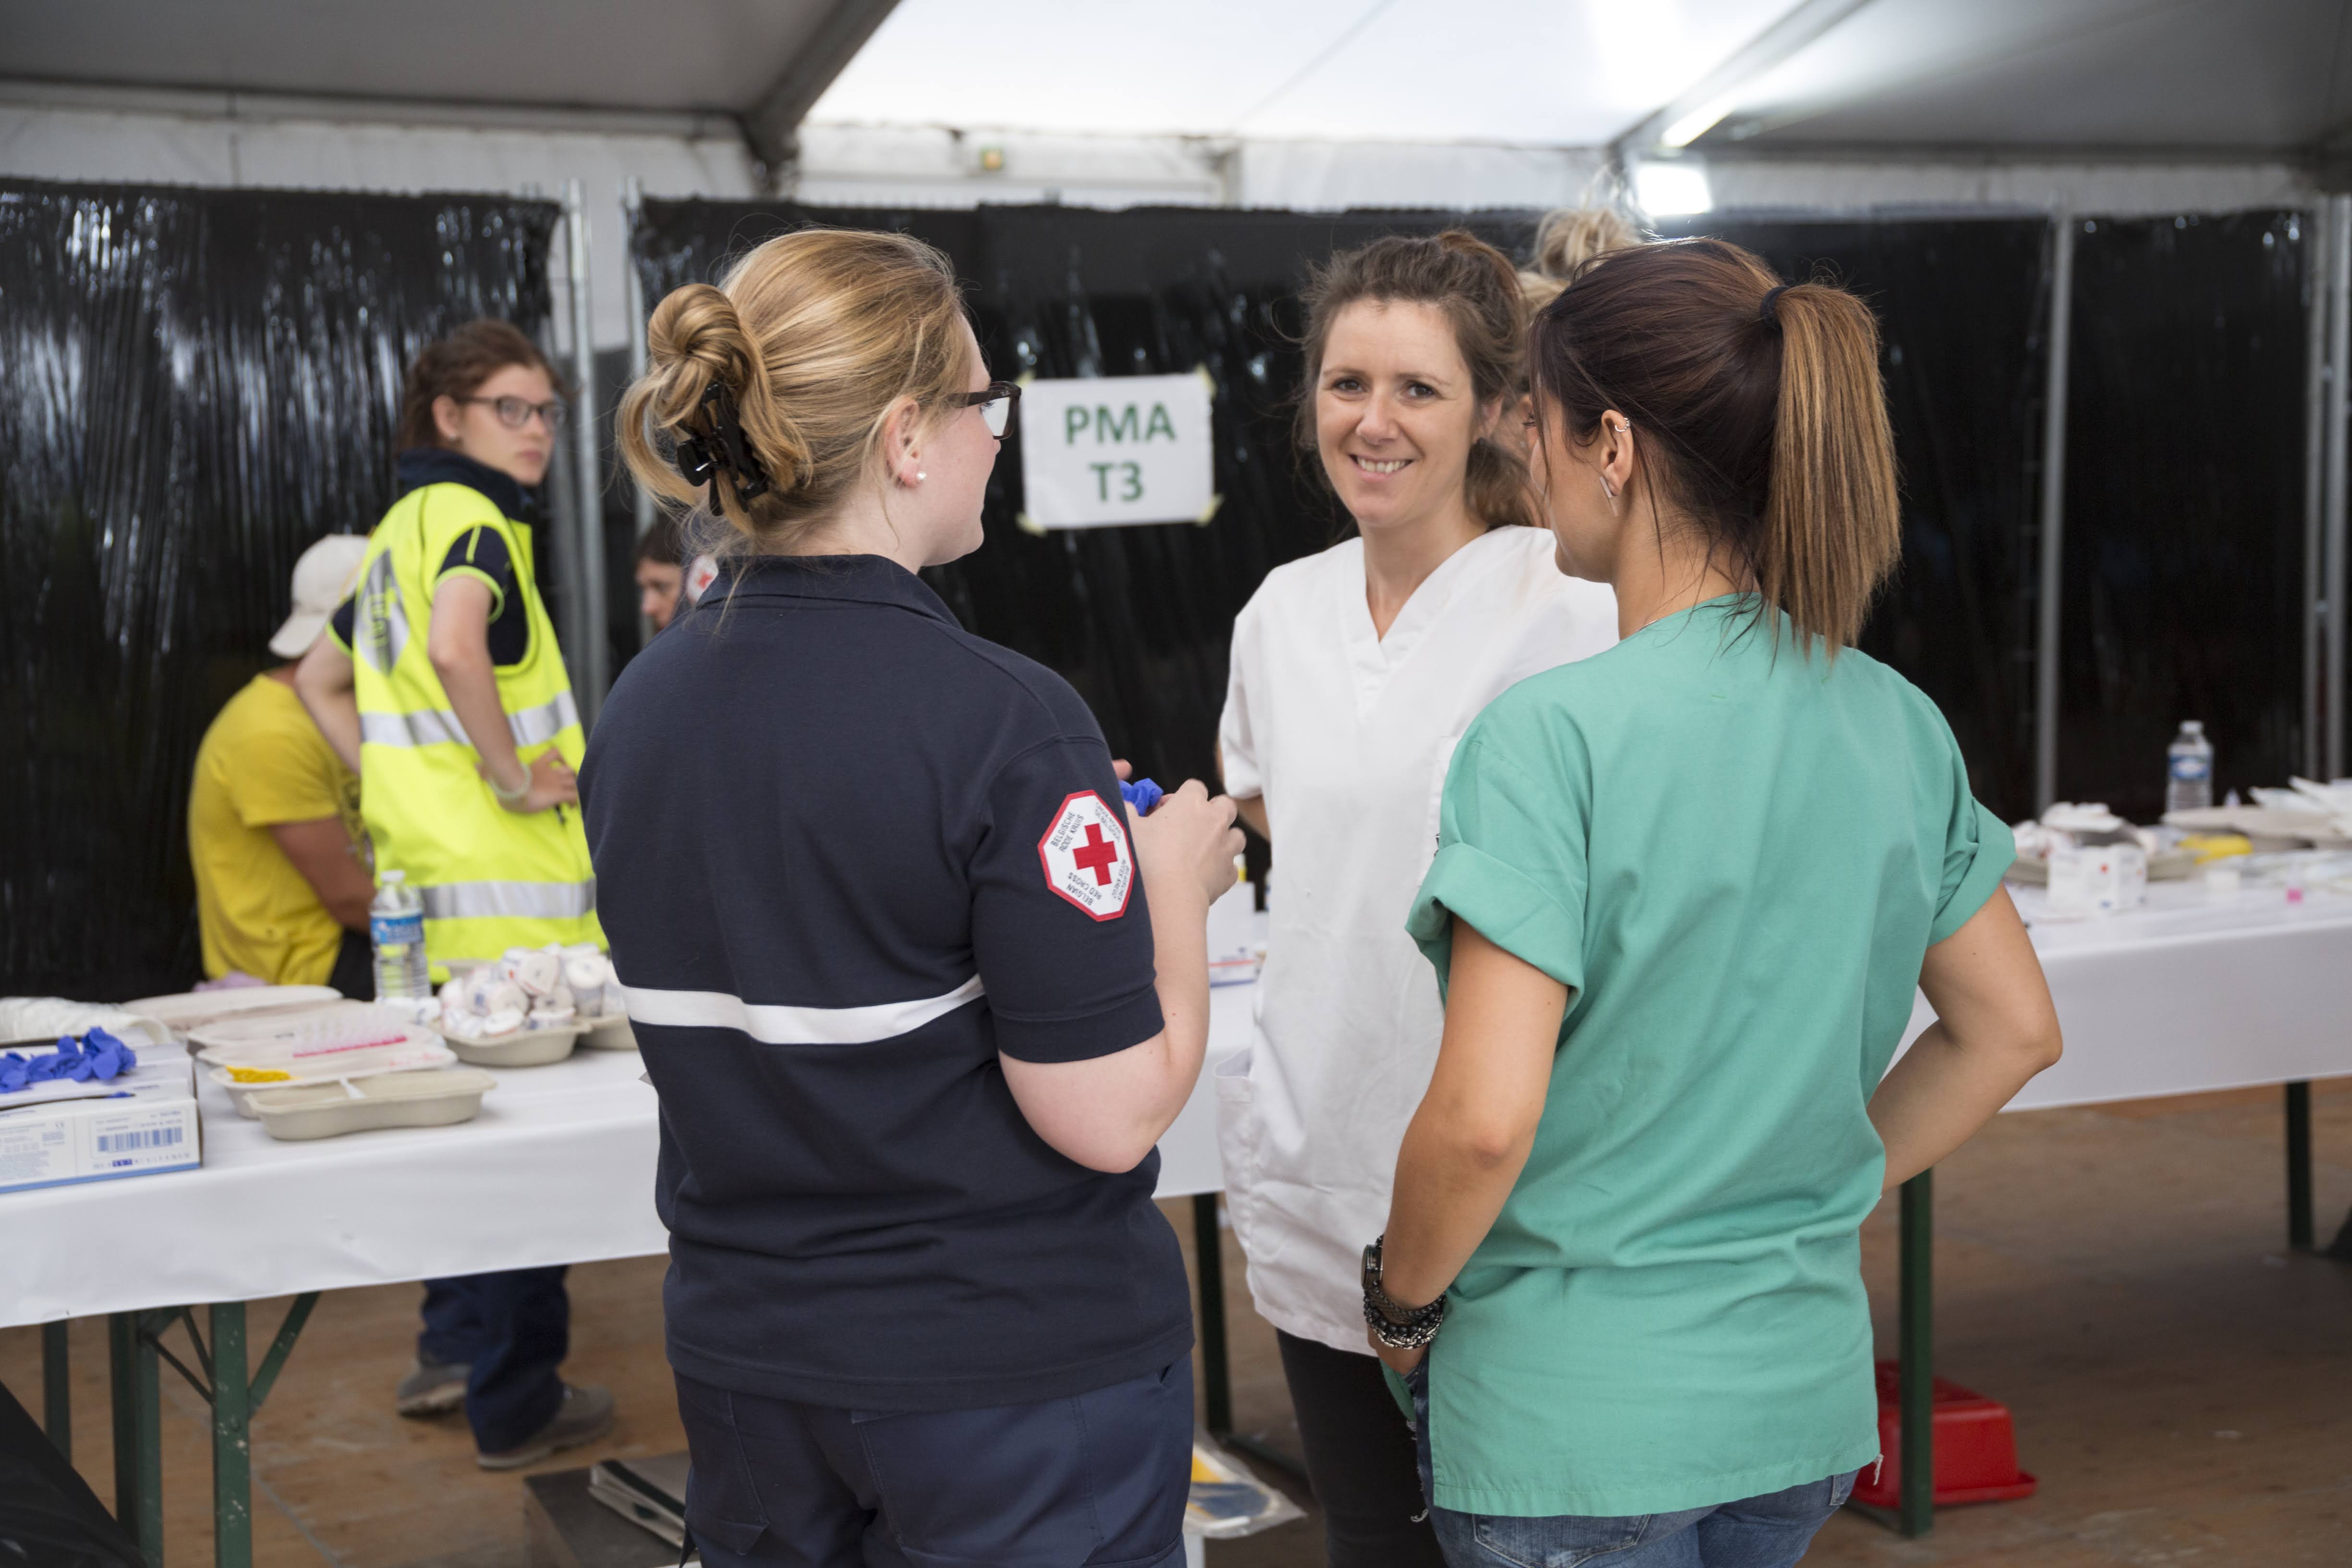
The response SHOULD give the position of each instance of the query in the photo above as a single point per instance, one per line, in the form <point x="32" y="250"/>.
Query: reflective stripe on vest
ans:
<point x="439" y="726"/>
<point x="509" y="900"/>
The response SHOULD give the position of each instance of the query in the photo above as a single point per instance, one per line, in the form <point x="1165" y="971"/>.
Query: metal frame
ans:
<point x="588" y="616"/>
<point x="2047" y="626"/>
<point x="2339" y="325"/>
<point x="135" y="1354"/>
<point x="771" y="127"/>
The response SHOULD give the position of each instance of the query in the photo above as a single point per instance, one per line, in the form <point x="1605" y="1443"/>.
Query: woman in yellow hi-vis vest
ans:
<point x="444" y="685"/>
<point x="442" y="688"/>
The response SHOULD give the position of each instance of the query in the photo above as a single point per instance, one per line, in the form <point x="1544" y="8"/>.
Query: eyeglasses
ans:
<point x="996" y="402"/>
<point x="514" y="413"/>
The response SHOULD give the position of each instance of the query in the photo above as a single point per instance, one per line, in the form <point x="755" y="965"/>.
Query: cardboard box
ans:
<point x="147" y="1125"/>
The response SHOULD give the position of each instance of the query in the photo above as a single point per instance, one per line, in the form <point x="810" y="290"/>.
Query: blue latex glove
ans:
<point x="1142" y="795"/>
<point x="97" y="1057"/>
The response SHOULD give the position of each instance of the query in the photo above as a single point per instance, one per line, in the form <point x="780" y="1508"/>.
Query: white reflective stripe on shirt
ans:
<point x="509" y="900"/>
<point x="780" y="1026"/>
<point x="436" y="726"/>
<point x="425" y="727"/>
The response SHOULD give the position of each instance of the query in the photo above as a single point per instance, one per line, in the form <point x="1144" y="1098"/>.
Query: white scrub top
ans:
<point x="1347" y="735"/>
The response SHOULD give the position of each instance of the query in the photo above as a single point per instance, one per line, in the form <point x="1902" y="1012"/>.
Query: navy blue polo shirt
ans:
<point x="846" y="853"/>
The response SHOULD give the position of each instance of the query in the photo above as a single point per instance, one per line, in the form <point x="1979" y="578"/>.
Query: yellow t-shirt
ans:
<point x="262" y="762"/>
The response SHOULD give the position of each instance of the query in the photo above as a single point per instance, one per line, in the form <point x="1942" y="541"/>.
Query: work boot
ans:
<point x="585" y="1415"/>
<point x="431" y="1387"/>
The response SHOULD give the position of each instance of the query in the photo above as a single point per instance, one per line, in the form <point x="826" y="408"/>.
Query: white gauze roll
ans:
<point x="537" y="972"/>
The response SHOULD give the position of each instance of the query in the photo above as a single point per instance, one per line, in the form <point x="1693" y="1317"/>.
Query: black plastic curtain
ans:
<point x="198" y="385"/>
<point x="1140" y="620"/>
<point x="1962" y="305"/>
<point x="2184" y="503"/>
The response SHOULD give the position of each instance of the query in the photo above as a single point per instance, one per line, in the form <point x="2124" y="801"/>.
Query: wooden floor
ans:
<point x="2118" y="1276"/>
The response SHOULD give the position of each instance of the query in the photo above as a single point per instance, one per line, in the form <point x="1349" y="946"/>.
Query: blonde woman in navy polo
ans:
<point x="917" y="995"/>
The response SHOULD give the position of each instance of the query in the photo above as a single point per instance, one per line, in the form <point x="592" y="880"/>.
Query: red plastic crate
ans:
<point x="1976" y="1448"/>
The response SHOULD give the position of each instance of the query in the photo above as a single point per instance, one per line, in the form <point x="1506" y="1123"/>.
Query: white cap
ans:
<point x="321" y="580"/>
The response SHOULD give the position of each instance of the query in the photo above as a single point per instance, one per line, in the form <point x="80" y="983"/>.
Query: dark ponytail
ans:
<point x="1478" y="290"/>
<point x="1759" y="415"/>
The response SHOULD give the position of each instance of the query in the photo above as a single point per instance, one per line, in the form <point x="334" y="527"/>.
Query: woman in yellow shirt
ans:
<point x="274" y="834"/>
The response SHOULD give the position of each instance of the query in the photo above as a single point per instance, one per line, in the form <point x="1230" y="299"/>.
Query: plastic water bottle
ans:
<point x="397" y="931"/>
<point x="2189" y="782"/>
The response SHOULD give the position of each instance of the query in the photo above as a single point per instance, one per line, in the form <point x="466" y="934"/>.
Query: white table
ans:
<point x="558" y="1168"/>
<point x="2181" y="996"/>
<point x="2185" y="995"/>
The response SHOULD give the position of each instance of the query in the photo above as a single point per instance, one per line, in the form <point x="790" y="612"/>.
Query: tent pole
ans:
<point x="2053" y="513"/>
<point x="633" y="200"/>
<point x="593" y="655"/>
<point x="2316" y="272"/>
<point x="633" y="204"/>
<point x="2339" y="327"/>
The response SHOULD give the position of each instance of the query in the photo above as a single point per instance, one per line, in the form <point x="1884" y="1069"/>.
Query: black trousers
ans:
<point x="354" y="971"/>
<point x="1359" y="1458"/>
<point x="1100" y="1477"/>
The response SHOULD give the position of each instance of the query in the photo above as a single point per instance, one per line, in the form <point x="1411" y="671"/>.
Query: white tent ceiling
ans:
<point x="2234" y="76"/>
<point x="1571" y="74"/>
<point x="2225" y="76"/>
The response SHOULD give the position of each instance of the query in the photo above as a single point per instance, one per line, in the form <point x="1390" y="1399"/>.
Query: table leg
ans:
<point x="57" y="1387"/>
<point x="1209" y="1263"/>
<point x="232" y="1440"/>
<point x="2298" y="1167"/>
<point x="1917" y="1334"/>
<point x="138" y="1434"/>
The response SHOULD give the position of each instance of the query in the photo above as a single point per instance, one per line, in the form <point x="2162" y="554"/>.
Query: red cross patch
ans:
<point x="1086" y="857"/>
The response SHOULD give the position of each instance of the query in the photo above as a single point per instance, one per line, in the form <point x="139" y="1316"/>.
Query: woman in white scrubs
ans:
<point x="1354" y="673"/>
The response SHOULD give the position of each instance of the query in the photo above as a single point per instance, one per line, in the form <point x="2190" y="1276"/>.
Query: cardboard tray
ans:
<point x="438" y="1097"/>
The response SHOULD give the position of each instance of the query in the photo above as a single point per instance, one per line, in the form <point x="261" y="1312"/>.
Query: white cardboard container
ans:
<point x="437" y="1098"/>
<point x="148" y="1125"/>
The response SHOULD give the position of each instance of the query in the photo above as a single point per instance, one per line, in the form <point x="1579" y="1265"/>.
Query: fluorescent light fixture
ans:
<point x="1696" y="124"/>
<point x="1672" y="190"/>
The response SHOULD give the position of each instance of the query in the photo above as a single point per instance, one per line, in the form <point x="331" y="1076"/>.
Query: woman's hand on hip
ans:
<point x="549" y="782"/>
<point x="1188" y="841"/>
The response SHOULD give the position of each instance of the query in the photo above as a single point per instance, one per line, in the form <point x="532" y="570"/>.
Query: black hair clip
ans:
<point x="700" y="458"/>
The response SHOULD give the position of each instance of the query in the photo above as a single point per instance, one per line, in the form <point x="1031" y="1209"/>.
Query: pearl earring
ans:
<point x="921" y="476"/>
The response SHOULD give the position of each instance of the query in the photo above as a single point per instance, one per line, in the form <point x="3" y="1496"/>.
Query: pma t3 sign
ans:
<point x="1113" y="450"/>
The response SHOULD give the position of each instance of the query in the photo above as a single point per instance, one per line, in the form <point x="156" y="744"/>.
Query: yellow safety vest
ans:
<point x="491" y="878"/>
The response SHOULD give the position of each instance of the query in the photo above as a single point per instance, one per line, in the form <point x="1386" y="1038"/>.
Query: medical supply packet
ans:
<point x="139" y="1124"/>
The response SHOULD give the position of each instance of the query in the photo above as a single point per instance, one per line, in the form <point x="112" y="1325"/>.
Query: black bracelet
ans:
<point x="1393" y="1322"/>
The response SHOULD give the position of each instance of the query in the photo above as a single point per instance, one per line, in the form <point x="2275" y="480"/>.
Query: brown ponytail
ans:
<point x="813" y="337"/>
<point x="1478" y="290"/>
<point x="1761" y="418"/>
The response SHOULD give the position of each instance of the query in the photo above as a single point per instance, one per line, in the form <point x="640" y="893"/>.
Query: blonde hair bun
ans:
<point x="813" y="338"/>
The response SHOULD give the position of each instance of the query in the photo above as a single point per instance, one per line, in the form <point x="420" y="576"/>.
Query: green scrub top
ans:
<point x="1736" y="855"/>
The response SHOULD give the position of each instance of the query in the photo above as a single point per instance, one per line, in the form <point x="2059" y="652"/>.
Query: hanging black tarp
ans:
<point x="198" y="385"/>
<point x="2185" y="521"/>
<point x="1138" y="619"/>
<point x="1962" y="304"/>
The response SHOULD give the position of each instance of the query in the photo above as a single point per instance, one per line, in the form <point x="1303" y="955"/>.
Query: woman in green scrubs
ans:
<point x="1683" y="894"/>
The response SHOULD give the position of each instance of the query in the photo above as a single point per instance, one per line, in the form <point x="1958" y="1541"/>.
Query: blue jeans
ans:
<point x="513" y="1329"/>
<point x="1771" y="1530"/>
<point x="1097" y="1481"/>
